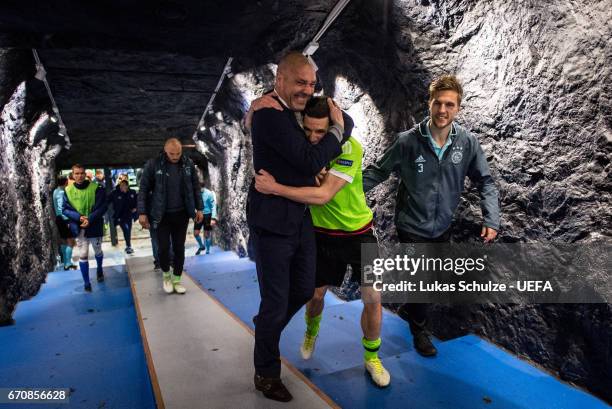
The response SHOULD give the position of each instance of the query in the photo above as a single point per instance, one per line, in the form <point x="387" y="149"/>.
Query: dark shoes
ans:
<point x="272" y="388"/>
<point x="87" y="287"/>
<point x="423" y="344"/>
<point x="100" y="277"/>
<point x="199" y="251"/>
<point x="420" y="336"/>
<point x="70" y="267"/>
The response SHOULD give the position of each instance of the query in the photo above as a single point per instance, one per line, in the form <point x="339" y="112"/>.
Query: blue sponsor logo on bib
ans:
<point x="344" y="162"/>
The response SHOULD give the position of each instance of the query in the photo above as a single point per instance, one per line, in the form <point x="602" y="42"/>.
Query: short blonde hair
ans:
<point x="445" y="83"/>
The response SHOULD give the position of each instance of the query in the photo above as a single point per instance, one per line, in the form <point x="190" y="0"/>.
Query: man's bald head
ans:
<point x="173" y="142"/>
<point x="292" y="61"/>
<point x="173" y="149"/>
<point x="295" y="80"/>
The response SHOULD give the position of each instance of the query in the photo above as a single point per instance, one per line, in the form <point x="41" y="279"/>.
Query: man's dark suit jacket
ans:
<point x="281" y="148"/>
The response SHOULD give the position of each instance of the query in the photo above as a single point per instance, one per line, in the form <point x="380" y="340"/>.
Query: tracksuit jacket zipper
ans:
<point x="438" y="176"/>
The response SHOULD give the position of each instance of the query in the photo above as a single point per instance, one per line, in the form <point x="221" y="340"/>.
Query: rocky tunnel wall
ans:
<point x="536" y="78"/>
<point x="27" y="249"/>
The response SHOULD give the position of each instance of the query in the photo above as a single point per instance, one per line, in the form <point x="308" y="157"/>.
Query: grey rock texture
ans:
<point x="536" y="78"/>
<point x="10" y="61"/>
<point x="227" y="144"/>
<point x="27" y="237"/>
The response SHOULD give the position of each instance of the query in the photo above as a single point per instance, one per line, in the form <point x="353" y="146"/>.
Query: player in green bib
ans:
<point x="84" y="206"/>
<point x="342" y="222"/>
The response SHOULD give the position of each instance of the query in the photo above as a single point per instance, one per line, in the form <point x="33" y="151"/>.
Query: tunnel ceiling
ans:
<point x="126" y="75"/>
<point x="118" y="106"/>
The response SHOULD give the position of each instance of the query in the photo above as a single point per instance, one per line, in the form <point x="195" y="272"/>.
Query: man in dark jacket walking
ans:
<point x="432" y="160"/>
<point x="124" y="203"/>
<point x="170" y="194"/>
<point x="84" y="205"/>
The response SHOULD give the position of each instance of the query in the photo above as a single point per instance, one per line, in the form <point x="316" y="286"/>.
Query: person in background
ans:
<point x="155" y="243"/>
<point x="124" y="201"/>
<point x="84" y="205"/>
<point x="169" y="196"/>
<point x="61" y="221"/>
<point x="118" y="177"/>
<point x="99" y="178"/>
<point x="210" y="220"/>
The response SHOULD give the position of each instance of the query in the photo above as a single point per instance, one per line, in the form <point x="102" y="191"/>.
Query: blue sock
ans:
<point x="85" y="271"/>
<point x="208" y="242"/>
<point x="63" y="254"/>
<point x="68" y="256"/>
<point x="99" y="263"/>
<point x="199" y="239"/>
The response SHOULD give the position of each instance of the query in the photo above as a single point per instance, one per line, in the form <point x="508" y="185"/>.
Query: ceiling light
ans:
<point x="40" y="72"/>
<point x="311" y="48"/>
<point x="208" y="110"/>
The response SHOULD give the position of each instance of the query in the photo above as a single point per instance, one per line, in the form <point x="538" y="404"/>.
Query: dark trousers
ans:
<point x="155" y="246"/>
<point x="416" y="313"/>
<point x="172" y="230"/>
<point x="126" y="228"/>
<point x="286" y="273"/>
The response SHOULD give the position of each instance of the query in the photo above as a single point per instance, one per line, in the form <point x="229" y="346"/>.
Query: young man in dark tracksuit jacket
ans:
<point x="432" y="160"/>
<point x="170" y="194"/>
<point x="124" y="204"/>
<point x="281" y="229"/>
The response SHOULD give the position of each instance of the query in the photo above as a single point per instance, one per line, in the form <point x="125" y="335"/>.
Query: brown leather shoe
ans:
<point x="272" y="388"/>
<point x="423" y="344"/>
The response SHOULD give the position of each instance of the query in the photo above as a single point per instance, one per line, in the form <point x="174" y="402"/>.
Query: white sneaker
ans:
<point x="308" y="346"/>
<point x="168" y="287"/>
<point x="179" y="288"/>
<point x="378" y="373"/>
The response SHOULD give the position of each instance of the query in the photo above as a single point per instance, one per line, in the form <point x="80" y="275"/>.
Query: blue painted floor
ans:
<point x="468" y="372"/>
<point x="66" y="338"/>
